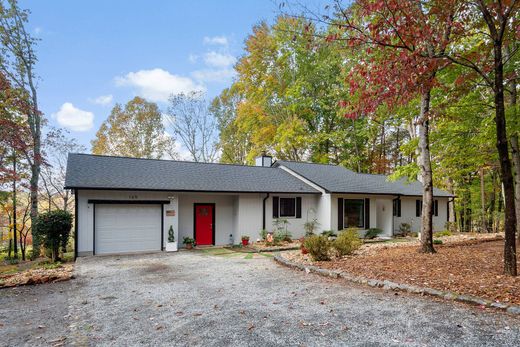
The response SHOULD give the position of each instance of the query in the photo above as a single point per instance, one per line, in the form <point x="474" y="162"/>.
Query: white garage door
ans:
<point x="127" y="228"/>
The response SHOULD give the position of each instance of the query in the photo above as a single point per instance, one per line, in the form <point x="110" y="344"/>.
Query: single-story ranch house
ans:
<point x="128" y="205"/>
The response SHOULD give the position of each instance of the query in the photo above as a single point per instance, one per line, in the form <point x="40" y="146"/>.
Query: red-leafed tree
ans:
<point x="14" y="146"/>
<point x="403" y="40"/>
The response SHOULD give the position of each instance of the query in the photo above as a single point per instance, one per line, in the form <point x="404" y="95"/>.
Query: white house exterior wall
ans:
<point x="296" y="225"/>
<point x="408" y="215"/>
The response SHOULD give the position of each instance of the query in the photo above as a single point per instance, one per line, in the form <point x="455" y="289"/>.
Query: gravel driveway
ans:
<point x="193" y="298"/>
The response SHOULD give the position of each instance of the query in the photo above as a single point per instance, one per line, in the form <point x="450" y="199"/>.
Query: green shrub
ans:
<point x="405" y="229"/>
<point x="53" y="230"/>
<point x="372" y="233"/>
<point x="443" y="233"/>
<point x="188" y="240"/>
<point x="318" y="247"/>
<point x="284" y="235"/>
<point x="437" y="242"/>
<point x="347" y="242"/>
<point x="310" y="227"/>
<point x="171" y="234"/>
<point x="413" y="234"/>
<point x="329" y="233"/>
<point x="263" y="234"/>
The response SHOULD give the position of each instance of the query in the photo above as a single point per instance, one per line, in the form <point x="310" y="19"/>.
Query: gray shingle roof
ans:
<point x="337" y="179"/>
<point x="94" y="171"/>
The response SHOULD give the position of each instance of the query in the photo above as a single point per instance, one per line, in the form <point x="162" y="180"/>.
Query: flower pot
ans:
<point x="245" y="242"/>
<point x="189" y="246"/>
<point x="171" y="247"/>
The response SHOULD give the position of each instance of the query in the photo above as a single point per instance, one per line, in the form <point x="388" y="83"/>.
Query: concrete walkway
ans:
<point x="207" y="299"/>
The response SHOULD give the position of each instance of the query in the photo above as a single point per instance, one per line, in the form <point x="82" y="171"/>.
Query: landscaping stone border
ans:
<point x="264" y="250"/>
<point x="389" y="285"/>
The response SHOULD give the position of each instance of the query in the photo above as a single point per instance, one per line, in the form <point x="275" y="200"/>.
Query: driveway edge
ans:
<point x="393" y="286"/>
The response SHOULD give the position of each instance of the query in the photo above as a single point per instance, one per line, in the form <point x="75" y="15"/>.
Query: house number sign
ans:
<point x="170" y="213"/>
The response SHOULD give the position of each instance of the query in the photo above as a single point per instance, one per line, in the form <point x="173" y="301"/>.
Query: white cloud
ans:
<point x="215" y="40"/>
<point x="211" y="75"/>
<point x="103" y="100"/>
<point x="219" y="59"/>
<point x="193" y="58"/>
<point x="158" y="84"/>
<point x="38" y="30"/>
<point x="71" y="117"/>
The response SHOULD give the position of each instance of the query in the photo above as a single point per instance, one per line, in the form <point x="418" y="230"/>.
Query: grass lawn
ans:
<point x="470" y="267"/>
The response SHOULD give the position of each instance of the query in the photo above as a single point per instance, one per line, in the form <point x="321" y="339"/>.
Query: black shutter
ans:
<point x="298" y="207"/>
<point x="276" y="201"/>
<point x="367" y="213"/>
<point x="448" y="211"/>
<point x="398" y="207"/>
<point x="436" y="208"/>
<point x="417" y="208"/>
<point x="340" y="214"/>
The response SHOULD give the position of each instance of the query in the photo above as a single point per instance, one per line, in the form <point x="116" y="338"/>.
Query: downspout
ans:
<point x="263" y="211"/>
<point x="75" y="224"/>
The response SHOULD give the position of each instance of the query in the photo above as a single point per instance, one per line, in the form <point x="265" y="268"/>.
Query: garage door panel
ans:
<point x="128" y="228"/>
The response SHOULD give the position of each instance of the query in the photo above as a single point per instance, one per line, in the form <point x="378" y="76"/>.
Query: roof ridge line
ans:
<point x="168" y="160"/>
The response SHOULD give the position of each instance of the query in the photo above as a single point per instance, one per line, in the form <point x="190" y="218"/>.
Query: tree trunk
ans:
<point x="452" y="214"/>
<point x="515" y="152"/>
<point x="484" y="227"/>
<point x="426" y="175"/>
<point x="15" y="242"/>
<point x="505" y="165"/>
<point x="516" y="165"/>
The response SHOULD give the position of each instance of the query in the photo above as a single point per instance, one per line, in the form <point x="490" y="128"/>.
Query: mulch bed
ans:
<point x="37" y="276"/>
<point x="470" y="267"/>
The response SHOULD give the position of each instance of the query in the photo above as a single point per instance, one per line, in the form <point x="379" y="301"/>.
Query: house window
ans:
<point x="354" y="213"/>
<point x="418" y="208"/>
<point x="436" y="208"/>
<point x="397" y="208"/>
<point x="287" y="207"/>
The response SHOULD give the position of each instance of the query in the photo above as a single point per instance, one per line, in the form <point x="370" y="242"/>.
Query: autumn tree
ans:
<point x="486" y="60"/>
<point x="191" y="121"/>
<point x="403" y="40"/>
<point x="135" y="130"/>
<point x="17" y="63"/>
<point x="56" y="147"/>
<point x="15" y="143"/>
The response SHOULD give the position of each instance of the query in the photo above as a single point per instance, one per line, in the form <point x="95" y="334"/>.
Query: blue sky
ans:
<point x="93" y="54"/>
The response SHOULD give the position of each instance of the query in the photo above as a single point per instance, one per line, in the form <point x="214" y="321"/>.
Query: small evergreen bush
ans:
<point x="318" y="247"/>
<point x="372" y="233"/>
<point x="437" y="242"/>
<point x="347" y="242"/>
<point x="329" y="233"/>
<point x="443" y="233"/>
<point x="53" y="229"/>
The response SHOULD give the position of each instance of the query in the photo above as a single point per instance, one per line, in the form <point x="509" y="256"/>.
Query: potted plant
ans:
<point x="189" y="242"/>
<point x="245" y="240"/>
<point x="171" y="245"/>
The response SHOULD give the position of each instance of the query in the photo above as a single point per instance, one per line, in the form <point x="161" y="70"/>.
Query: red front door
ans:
<point x="204" y="224"/>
